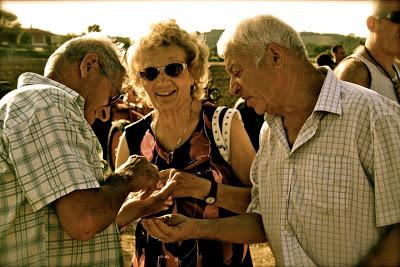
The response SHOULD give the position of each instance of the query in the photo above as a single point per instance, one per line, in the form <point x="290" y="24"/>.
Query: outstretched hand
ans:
<point x="142" y="204"/>
<point x="170" y="228"/>
<point x="141" y="174"/>
<point x="160" y="199"/>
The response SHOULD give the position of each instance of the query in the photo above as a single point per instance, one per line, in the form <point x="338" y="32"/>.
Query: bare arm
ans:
<point x="387" y="251"/>
<point x="233" y="198"/>
<point x="247" y="228"/>
<point x="242" y="151"/>
<point x="84" y="213"/>
<point x="354" y="71"/>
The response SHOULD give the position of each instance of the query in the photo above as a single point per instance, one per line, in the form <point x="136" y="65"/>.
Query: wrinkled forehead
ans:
<point x="232" y="51"/>
<point x="235" y="58"/>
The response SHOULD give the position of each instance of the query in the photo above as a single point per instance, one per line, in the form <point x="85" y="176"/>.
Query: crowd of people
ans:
<point x="319" y="179"/>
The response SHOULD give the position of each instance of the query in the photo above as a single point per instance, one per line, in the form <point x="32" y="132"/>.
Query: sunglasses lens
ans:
<point x="174" y="69"/>
<point x="395" y="17"/>
<point x="149" y="73"/>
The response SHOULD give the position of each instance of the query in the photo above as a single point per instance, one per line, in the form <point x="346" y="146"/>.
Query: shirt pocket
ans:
<point x="325" y="183"/>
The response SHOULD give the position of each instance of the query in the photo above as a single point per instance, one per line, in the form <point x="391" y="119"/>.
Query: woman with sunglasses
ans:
<point x="373" y="65"/>
<point x="170" y="66"/>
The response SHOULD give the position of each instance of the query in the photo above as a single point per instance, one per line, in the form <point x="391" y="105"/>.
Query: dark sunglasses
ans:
<point x="391" y="16"/>
<point x="172" y="70"/>
<point x="114" y="99"/>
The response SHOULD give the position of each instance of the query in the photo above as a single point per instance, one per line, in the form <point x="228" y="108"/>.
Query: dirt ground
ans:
<point x="260" y="253"/>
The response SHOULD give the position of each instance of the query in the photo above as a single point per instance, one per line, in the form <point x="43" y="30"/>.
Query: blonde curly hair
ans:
<point x="166" y="33"/>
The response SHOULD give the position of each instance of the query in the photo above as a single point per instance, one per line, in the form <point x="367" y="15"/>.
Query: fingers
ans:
<point x="158" y="229"/>
<point x="164" y="195"/>
<point x="169" y="186"/>
<point x="173" y="219"/>
<point x="167" y="173"/>
<point x="167" y="228"/>
<point x="164" y="174"/>
<point x="146" y="193"/>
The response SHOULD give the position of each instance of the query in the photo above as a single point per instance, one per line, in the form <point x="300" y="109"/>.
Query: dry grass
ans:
<point x="260" y="253"/>
<point x="11" y="67"/>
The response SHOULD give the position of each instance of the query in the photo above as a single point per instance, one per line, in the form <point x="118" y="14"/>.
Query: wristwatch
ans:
<point x="212" y="196"/>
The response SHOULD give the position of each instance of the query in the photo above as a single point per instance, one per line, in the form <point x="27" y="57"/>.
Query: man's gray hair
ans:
<point x="252" y="36"/>
<point x="110" y="55"/>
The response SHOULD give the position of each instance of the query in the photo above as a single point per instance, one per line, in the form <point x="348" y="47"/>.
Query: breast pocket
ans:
<point x="325" y="183"/>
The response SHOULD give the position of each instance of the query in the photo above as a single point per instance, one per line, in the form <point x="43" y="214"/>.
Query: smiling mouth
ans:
<point x="165" y="93"/>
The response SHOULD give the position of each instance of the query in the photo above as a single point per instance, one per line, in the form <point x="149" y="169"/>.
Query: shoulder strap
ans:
<point x="223" y="117"/>
<point x="134" y="133"/>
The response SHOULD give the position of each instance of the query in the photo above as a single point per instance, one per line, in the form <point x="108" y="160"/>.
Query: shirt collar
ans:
<point x="329" y="96"/>
<point x="30" y="78"/>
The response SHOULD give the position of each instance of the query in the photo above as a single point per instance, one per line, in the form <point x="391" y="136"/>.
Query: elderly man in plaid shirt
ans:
<point x="56" y="209"/>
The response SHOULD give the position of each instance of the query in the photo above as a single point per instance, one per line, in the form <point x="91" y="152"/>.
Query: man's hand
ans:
<point x="141" y="174"/>
<point x="170" y="228"/>
<point x="136" y="206"/>
<point x="160" y="199"/>
<point x="386" y="252"/>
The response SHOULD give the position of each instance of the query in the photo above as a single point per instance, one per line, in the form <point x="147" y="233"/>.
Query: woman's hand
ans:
<point x="187" y="184"/>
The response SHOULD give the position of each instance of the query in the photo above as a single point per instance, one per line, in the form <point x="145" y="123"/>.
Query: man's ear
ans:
<point x="89" y="62"/>
<point x="371" y="23"/>
<point x="276" y="53"/>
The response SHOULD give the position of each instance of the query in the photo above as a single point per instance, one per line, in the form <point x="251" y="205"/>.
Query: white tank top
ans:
<point x="380" y="83"/>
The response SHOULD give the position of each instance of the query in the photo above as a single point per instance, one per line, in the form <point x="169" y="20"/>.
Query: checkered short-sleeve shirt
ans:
<point x="47" y="151"/>
<point x="325" y="201"/>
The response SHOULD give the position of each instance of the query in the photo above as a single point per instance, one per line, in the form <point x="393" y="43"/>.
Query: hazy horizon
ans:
<point x="129" y="18"/>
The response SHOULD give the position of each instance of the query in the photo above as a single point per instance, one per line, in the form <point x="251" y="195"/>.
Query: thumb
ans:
<point x="164" y="174"/>
<point x="167" y="190"/>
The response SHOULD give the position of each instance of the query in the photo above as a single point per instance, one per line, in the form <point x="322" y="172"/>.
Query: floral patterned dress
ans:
<point x="198" y="155"/>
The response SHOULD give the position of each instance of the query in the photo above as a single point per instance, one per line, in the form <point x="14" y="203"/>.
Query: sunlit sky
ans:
<point x="128" y="18"/>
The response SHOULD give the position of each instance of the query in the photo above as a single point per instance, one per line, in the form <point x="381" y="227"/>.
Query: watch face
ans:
<point x="210" y="200"/>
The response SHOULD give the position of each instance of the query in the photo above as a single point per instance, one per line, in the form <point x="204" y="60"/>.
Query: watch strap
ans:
<point x="212" y="195"/>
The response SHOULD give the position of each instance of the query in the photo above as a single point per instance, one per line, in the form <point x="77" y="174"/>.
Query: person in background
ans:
<point x="338" y="54"/>
<point x="326" y="178"/>
<point x="56" y="207"/>
<point x="101" y="129"/>
<point x="325" y="59"/>
<point x="170" y="66"/>
<point x="251" y="120"/>
<point x="4" y="88"/>
<point x="373" y="65"/>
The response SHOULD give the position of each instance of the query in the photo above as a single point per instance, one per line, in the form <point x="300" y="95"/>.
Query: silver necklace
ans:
<point x="154" y="128"/>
